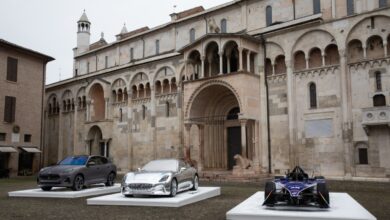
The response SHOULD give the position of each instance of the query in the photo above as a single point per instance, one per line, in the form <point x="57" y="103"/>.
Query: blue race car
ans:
<point x="297" y="189"/>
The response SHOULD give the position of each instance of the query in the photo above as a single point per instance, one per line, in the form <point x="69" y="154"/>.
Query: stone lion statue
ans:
<point x="242" y="162"/>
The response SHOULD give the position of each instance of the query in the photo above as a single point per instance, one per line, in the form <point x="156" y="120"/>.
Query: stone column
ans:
<point x="201" y="147"/>
<point x="273" y="69"/>
<point x="105" y="148"/>
<point x="241" y="50"/>
<point x="244" y="150"/>
<point x="88" y="111"/>
<point x="346" y="114"/>
<point x="385" y="47"/>
<point x="75" y="120"/>
<point x="323" y="59"/>
<point x="307" y="62"/>
<point x="153" y="104"/>
<point x="60" y="135"/>
<point x="107" y="107"/>
<point x="130" y="150"/>
<point x="248" y="61"/>
<point x="220" y="62"/>
<point x="138" y="92"/>
<point x="187" y="143"/>
<point x="291" y="112"/>
<point x="228" y="63"/>
<point x="202" y="69"/>
<point x="364" y="50"/>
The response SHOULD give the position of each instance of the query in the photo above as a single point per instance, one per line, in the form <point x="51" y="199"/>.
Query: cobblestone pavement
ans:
<point x="374" y="196"/>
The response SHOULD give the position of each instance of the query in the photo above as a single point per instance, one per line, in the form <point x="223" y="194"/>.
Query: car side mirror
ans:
<point x="91" y="163"/>
<point x="139" y="169"/>
<point x="182" y="169"/>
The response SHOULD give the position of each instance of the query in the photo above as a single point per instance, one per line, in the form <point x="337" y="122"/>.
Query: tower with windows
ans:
<point x="83" y="33"/>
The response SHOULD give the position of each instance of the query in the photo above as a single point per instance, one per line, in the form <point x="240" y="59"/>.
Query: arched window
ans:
<point x="378" y="81"/>
<point x="313" y="95"/>
<point x="316" y="6"/>
<point x="84" y="102"/>
<point x="143" y="112"/>
<point x="167" y="109"/>
<point x="299" y="61"/>
<point x="350" y="7"/>
<point x="268" y="16"/>
<point x="120" y="115"/>
<point x="192" y="35"/>
<point x="223" y="26"/>
<point x="382" y="3"/>
<point x="379" y="100"/>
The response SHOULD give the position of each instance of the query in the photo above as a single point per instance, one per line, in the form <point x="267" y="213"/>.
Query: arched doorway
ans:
<point x="98" y="103"/>
<point x="95" y="141"/>
<point x="215" y="110"/>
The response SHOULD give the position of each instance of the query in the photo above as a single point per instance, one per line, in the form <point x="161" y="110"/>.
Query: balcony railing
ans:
<point x="375" y="116"/>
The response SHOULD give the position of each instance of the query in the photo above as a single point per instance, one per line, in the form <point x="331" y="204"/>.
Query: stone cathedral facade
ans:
<point x="281" y="82"/>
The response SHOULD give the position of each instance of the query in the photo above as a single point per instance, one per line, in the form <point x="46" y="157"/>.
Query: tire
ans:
<point x="322" y="195"/>
<point x="195" y="183"/>
<point x="78" y="183"/>
<point x="46" y="188"/>
<point x="110" y="179"/>
<point x="173" y="188"/>
<point x="269" y="196"/>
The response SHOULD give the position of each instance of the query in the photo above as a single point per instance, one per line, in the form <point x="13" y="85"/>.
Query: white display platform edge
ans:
<point x="343" y="207"/>
<point x="181" y="199"/>
<point x="55" y="193"/>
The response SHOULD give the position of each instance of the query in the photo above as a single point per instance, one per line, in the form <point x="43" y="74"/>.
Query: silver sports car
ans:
<point x="161" y="177"/>
<point x="76" y="172"/>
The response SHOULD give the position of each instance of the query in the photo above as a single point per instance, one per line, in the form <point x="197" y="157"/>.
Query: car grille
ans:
<point x="140" y="186"/>
<point x="49" y="177"/>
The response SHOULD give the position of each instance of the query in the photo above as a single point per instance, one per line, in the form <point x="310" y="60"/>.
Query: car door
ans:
<point x="92" y="170"/>
<point x="183" y="175"/>
<point x="104" y="169"/>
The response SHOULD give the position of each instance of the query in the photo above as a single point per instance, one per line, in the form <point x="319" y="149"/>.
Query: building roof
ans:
<point x="134" y="32"/>
<point x="25" y="50"/>
<point x="187" y="13"/>
<point x="84" y="18"/>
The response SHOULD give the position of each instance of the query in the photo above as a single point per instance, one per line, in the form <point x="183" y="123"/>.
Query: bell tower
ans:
<point x="83" y="33"/>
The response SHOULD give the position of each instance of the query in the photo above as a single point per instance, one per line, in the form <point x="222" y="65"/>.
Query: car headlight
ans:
<point x="67" y="171"/>
<point x="124" y="180"/>
<point x="164" y="178"/>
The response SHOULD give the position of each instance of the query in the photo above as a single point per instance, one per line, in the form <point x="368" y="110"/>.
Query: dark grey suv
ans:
<point x="76" y="172"/>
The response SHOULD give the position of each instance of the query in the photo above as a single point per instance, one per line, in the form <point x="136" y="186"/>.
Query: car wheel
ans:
<point x="78" y="183"/>
<point x="173" y="188"/>
<point x="110" y="179"/>
<point x="269" y="196"/>
<point x="322" y="195"/>
<point x="195" y="183"/>
<point x="46" y="188"/>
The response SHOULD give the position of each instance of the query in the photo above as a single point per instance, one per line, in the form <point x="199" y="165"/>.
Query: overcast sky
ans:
<point x="49" y="26"/>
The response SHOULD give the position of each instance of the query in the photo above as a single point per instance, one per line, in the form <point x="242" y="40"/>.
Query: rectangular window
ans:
<point x="316" y="6"/>
<point x="157" y="47"/>
<point x="382" y="3"/>
<point x="350" y="7"/>
<point x="131" y="54"/>
<point x="3" y="136"/>
<point x="9" y="109"/>
<point x="363" y="156"/>
<point x="88" y="67"/>
<point x="27" y="138"/>
<point x="12" y="69"/>
<point x="106" y="62"/>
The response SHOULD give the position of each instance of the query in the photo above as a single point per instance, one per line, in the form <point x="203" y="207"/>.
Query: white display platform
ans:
<point x="61" y="192"/>
<point x="181" y="199"/>
<point x="342" y="207"/>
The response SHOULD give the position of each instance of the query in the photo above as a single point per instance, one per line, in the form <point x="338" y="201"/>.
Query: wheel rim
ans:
<point x="174" y="187"/>
<point x="196" y="182"/>
<point x="79" y="183"/>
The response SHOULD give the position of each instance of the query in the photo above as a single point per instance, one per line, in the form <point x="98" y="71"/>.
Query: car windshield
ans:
<point x="161" y="165"/>
<point x="74" y="161"/>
